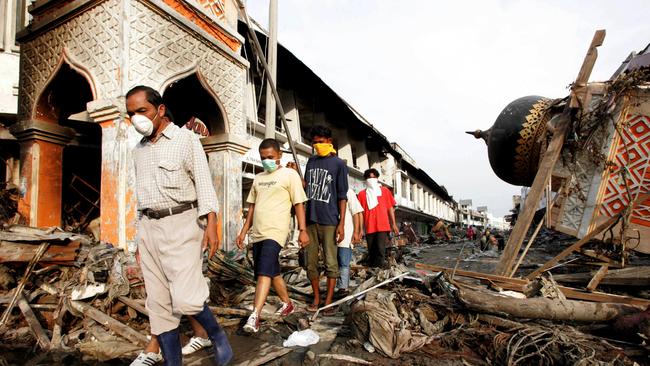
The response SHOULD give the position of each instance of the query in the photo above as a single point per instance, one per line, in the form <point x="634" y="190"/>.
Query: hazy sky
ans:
<point x="425" y="71"/>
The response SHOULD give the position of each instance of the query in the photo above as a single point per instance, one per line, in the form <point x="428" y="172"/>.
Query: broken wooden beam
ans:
<point x="477" y="275"/>
<point x="542" y="308"/>
<point x="602" y="271"/>
<point x="42" y="339"/>
<point x="530" y="242"/>
<point x="572" y="248"/>
<point x="517" y="284"/>
<point x="110" y="323"/>
<point x="21" y="285"/>
<point x="630" y="276"/>
<point x="345" y="359"/>
<point x="133" y="304"/>
<point x="11" y="252"/>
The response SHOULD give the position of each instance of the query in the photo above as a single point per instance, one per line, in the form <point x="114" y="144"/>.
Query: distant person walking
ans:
<point x="353" y="219"/>
<point x="378" y="217"/>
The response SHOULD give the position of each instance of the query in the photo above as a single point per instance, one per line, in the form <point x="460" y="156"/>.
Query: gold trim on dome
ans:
<point x="530" y="132"/>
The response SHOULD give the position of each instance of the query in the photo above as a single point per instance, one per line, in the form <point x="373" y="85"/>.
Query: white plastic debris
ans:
<point x="369" y="347"/>
<point x="302" y="338"/>
<point x="90" y="290"/>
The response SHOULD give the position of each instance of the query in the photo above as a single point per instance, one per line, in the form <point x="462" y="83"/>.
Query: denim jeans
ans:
<point x="344" y="256"/>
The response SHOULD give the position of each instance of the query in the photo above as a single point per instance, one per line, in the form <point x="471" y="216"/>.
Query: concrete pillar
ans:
<point x="362" y="158"/>
<point x="41" y="174"/>
<point x="225" y="153"/>
<point x="397" y="186"/>
<point x="407" y="189"/>
<point x="344" y="148"/>
<point x="291" y="114"/>
<point x="118" y="201"/>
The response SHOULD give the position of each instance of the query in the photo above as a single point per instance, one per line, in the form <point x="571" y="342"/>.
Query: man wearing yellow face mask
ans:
<point x="326" y="185"/>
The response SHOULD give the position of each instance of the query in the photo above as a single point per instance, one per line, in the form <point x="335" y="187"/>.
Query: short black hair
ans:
<point x="153" y="97"/>
<point x="367" y="173"/>
<point x="266" y="143"/>
<point x="152" y="94"/>
<point x="321" y="131"/>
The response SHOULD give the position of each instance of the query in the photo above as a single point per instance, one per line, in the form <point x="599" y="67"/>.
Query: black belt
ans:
<point x="159" y="214"/>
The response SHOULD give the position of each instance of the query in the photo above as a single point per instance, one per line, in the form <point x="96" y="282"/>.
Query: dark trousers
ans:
<point x="377" y="248"/>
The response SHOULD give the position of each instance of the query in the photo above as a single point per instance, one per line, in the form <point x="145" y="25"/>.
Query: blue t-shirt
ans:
<point x="327" y="184"/>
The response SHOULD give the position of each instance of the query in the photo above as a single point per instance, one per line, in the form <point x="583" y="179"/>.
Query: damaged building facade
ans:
<point x="69" y="142"/>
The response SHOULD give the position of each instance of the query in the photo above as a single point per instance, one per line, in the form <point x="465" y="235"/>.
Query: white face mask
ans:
<point x="143" y="124"/>
<point x="372" y="183"/>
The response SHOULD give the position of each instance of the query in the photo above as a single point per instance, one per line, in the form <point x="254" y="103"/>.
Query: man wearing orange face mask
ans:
<point x="326" y="184"/>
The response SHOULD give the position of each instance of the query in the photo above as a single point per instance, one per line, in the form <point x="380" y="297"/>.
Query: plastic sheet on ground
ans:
<point x="302" y="338"/>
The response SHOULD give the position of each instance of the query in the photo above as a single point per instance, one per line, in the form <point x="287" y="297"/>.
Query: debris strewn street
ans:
<point x="87" y="299"/>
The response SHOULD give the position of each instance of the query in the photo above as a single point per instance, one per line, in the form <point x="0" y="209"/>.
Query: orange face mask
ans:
<point x="324" y="149"/>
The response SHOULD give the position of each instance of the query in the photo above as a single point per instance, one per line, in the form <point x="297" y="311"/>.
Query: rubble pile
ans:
<point x="68" y="294"/>
<point x="9" y="205"/>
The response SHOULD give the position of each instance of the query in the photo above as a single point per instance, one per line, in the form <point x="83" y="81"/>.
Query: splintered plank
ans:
<point x="11" y="252"/>
<point x="517" y="284"/>
<point x="597" y="278"/>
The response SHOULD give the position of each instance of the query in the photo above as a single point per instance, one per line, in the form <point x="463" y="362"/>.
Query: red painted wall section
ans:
<point x="50" y="177"/>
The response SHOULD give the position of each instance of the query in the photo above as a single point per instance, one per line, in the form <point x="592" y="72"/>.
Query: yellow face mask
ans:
<point x="324" y="149"/>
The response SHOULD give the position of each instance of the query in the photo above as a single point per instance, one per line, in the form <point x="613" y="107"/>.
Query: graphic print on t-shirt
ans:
<point x="267" y="184"/>
<point x="319" y="185"/>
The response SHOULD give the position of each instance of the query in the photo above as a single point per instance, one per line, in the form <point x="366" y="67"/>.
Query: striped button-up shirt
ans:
<point x="173" y="171"/>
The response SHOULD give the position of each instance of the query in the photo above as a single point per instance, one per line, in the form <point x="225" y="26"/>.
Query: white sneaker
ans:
<point x="286" y="309"/>
<point x="252" y="324"/>
<point x="195" y="344"/>
<point x="147" y="359"/>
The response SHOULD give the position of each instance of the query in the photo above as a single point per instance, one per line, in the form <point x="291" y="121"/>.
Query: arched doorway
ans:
<point x="77" y="169"/>
<point x="189" y="100"/>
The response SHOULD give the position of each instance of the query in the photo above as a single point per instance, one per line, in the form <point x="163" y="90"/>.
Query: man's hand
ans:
<point x="340" y="232"/>
<point x="356" y="238"/>
<point x="292" y="165"/>
<point x="210" y="237"/>
<point x="395" y="230"/>
<point x="303" y="238"/>
<point x="240" y="240"/>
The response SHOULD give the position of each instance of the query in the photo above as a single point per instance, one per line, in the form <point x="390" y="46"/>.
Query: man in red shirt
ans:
<point x="378" y="217"/>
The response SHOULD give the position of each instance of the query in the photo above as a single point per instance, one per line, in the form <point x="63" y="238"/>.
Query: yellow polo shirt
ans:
<point x="273" y="195"/>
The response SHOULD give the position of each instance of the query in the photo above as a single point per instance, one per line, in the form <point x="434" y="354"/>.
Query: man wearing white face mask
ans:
<point x="378" y="215"/>
<point x="272" y="195"/>
<point x="176" y="199"/>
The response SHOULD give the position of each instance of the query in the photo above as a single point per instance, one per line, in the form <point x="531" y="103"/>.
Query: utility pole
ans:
<point x="272" y="56"/>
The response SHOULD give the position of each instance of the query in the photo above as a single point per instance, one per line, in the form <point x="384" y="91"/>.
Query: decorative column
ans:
<point x="225" y="153"/>
<point x="41" y="174"/>
<point x="118" y="201"/>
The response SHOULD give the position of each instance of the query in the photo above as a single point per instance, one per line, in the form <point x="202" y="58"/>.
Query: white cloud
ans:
<point x="441" y="68"/>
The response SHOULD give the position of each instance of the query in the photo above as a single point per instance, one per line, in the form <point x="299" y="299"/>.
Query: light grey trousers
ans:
<point x="171" y="261"/>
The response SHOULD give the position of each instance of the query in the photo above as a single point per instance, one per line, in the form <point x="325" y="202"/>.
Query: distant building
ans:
<point x="467" y="215"/>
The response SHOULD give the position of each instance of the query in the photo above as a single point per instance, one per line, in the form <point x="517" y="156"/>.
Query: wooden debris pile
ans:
<point x="9" y="197"/>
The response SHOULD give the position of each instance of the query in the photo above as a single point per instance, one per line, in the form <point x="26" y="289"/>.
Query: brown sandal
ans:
<point x="312" y="308"/>
<point x="329" y="311"/>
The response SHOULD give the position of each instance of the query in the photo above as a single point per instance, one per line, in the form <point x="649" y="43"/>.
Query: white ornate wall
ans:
<point x="153" y="47"/>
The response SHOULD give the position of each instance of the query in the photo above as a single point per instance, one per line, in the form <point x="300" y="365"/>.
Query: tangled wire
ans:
<point x="549" y="346"/>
